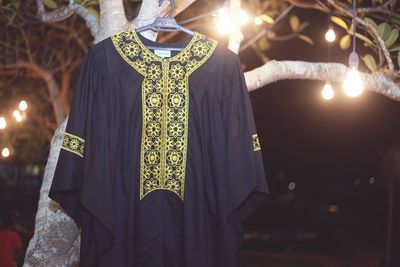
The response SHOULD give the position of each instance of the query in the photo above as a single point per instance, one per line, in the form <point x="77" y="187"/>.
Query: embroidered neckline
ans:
<point x="158" y="58"/>
<point x="165" y="107"/>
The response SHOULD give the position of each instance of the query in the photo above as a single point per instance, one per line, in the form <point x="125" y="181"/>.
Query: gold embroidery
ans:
<point x="165" y="107"/>
<point x="73" y="143"/>
<point x="256" y="143"/>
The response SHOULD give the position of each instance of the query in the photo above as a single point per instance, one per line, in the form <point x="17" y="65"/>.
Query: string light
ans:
<point x="224" y="22"/>
<point x="5" y="152"/>
<point x="243" y="17"/>
<point x="292" y="186"/>
<point x="330" y="35"/>
<point x="3" y="123"/>
<point x="353" y="85"/>
<point x="23" y="105"/>
<point x="327" y="91"/>
<point x="371" y="180"/>
<point x="258" y="21"/>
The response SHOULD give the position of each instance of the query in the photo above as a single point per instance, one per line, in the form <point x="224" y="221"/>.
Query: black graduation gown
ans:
<point x="160" y="160"/>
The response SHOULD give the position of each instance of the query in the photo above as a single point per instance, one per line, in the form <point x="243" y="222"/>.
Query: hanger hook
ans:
<point x="170" y="10"/>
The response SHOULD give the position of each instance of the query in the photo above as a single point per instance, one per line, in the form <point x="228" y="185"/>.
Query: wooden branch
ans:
<point x="382" y="8"/>
<point x="309" y="5"/>
<point x="335" y="72"/>
<point x="65" y="12"/>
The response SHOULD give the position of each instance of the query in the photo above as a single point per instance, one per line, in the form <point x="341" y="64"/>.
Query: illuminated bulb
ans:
<point x="371" y="180"/>
<point x="327" y="91"/>
<point x="23" y="105"/>
<point x="258" y="21"/>
<point x="3" y="123"/>
<point x="353" y="85"/>
<point x="243" y="17"/>
<point x="5" y="152"/>
<point x="16" y="113"/>
<point x="18" y="118"/>
<point x="224" y="24"/>
<point x="330" y="35"/>
<point x="292" y="186"/>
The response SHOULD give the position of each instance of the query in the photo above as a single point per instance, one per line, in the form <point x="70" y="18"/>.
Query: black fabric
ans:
<point x="224" y="181"/>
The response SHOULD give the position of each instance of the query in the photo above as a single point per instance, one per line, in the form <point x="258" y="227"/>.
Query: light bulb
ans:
<point x="330" y="35"/>
<point x="292" y="186"/>
<point x="224" y="23"/>
<point x="258" y="21"/>
<point x="327" y="91"/>
<point x="353" y="85"/>
<point x="18" y="118"/>
<point x="16" y="113"/>
<point x="23" y="105"/>
<point x="243" y="17"/>
<point x="3" y="123"/>
<point x="5" y="152"/>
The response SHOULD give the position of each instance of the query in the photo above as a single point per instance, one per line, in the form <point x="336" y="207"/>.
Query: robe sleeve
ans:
<point x="247" y="188"/>
<point x="69" y="171"/>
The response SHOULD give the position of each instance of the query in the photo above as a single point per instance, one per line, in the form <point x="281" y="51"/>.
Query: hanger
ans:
<point x="165" y="24"/>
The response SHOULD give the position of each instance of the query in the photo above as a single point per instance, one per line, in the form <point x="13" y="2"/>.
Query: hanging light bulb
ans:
<point x="258" y="21"/>
<point x="327" y="91"/>
<point x="243" y="17"/>
<point x="224" y="22"/>
<point x="5" y="152"/>
<point x="16" y="113"/>
<point x="353" y="85"/>
<point x="23" y="105"/>
<point x="3" y="123"/>
<point x="330" y="35"/>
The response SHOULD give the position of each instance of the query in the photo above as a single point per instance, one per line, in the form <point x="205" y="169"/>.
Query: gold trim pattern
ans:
<point x="165" y="107"/>
<point x="256" y="143"/>
<point x="74" y="144"/>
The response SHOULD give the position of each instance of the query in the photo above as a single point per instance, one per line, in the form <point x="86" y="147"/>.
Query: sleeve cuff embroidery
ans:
<point x="74" y="144"/>
<point x="256" y="143"/>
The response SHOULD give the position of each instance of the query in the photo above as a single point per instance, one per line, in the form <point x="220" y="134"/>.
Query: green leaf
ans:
<point x="339" y="22"/>
<point x="303" y="25"/>
<point x="370" y="21"/>
<point x="369" y="60"/>
<point x="364" y="38"/>
<point x="394" y="48"/>
<point x="267" y="18"/>
<point x="384" y="30"/>
<point x="394" y="34"/>
<point x="345" y="42"/>
<point x="50" y="3"/>
<point x="397" y="21"/>
<point x="294" y="23"/>
<point x="305" y="38"/>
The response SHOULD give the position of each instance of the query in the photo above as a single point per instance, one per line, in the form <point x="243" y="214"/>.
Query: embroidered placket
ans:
<point x="165" y="107"/>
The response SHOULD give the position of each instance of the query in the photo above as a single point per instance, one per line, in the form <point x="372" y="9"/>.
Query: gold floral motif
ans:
<point x="73" y="143"/>
<point x="177" y="71"/>
<point x="131" y="49"/>
<point x="256" y="143"/>
<point x="165" y="107"/>
<point x="154" y="72"/>
<point x="200" y="49"/>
